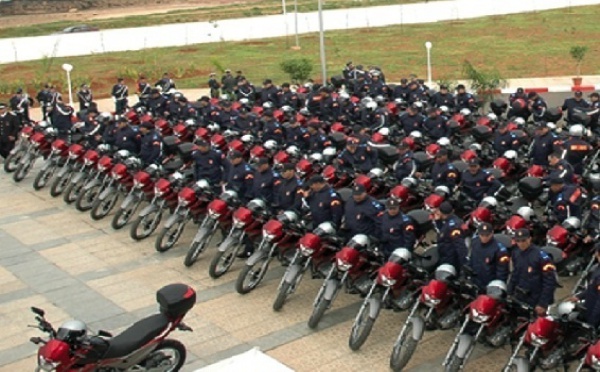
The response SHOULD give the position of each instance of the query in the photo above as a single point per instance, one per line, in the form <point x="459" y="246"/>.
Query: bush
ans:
<point x="299" y="69"/>
<point x="578" y="54"/>
<point x="484" y="82"/>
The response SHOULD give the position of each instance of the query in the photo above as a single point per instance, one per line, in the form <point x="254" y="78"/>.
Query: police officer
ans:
<point x="560" y="168"/>
<point x="156" y="104"/>
<point x="464" y="100"/>
<point x="575" y="102"/>
<point x="208" y="164"/>
<point x="411" y="120"/>
<point x="44" y="97"/>
<point x="566" y="200"/>
<point x="287" y="190"/>
<point x="416" y="93"/>
<point x="329" y="109"/>
<point x="405" y="166"/>
<point x="19" y="104"/>
<point x="324" y="203"/>
<point x="591" y="294"/>
<point x="9" y="128"/>
<point x="397" y="229"/>
<point x="125" y="138"/>
<point x="245" y="90"/>
<point x="247" y="122"/>
<point x="401" y="90"/>
<point x="316" y="139"/>
<point x="61" y="118"/>
<point x="272" y="129"/>
<point x="518" y="108"/>
<point x="594" y="112"/>
<point x="296" y="134"/>
<point x="444" y="173"/>
<point x="269" y="93"/>
<point x="377" y="85"/>
<point x="286" y="97"/>
<point x="443" y="98"/>
<point x="120" y="92"/>
<point x="150" y="144"/>
<point x="85" y="97"/>
<point x="576" y="148"/>
<point x="542" y="145"/>
<point x="450" y="236"/>
<point x="361" y="158"/>
<point x="435" y="126"/>
<point x="489" y="258"/>
<point x="184" y="110"/>
<point x="478" y="183"/>
<point x="505" y="140"/>
<point x="362" y="213"/>
<point x="263" y="181"/>
<point x="143" y="90"/>
<point x="537" y="106"/>
<point x="238" y="175"/>
<point x="533" y="272"/>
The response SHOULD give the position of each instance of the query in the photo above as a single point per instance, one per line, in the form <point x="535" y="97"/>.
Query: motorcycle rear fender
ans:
<point x="418" y="327"/>
<point x="464" y="344"/>
<point x="176" y="218"/>
<point x="130" y="200"/>
<point x="331" y="288"/>
<point x="107" y="192"/>
<point x="291" y="273"/>
<point x="374" y="307"/>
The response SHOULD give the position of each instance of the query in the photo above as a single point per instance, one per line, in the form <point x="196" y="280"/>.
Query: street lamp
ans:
<point x="68" y="68"/>
<point x="428" y="46"/>
<point x="322" y="44"/>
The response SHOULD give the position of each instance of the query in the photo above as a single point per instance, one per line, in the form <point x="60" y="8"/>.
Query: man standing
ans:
<point x="85" y="97"/>
<point x="324" y="203"/>
<point x="228" y="83"/>
<point x="150" y="144"/>
<point x="397" y="229"/>
<point x="120" y="92"/>
<point x="166" y="83"/>
<point x="44" y="98"/>
<point x="450" y="237"/>
<point x="575" y="102"/>
<point x="489" y="258"/>
<point x="362" y="213"/>
<point x="9" y="128"/>
<point x="61" y="118"/>
<point x="19" y="104"/>
<point x="143" y="90"/>
<point x="214" y="85"/>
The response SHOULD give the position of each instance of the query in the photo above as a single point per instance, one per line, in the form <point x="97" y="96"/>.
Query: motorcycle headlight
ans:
<point x="101" y="168"/>
<point x="117" y="176"/>
<point x="538" y="341"/>
<point x="388" y="282"/>
<point x="595" y="363"/>
<point x="268" y="237"/>
<point x="46" y="365"/>
<point x="431" y="301"/>
<point x="137" y="184"/>
<point x="183" y="202"/>
<point x="24" y="135"/>
<point x="238" y="224"/>
<point x="158" y="192"/>
<point x="551" y="242"/>
<point x="478" y="317"/>
<point x="343" y="265"/>
<point x="73" y="156"/>
<point x="213" y="214"/>
<point x="35" y="144"/>
<point x="56" y="151"/>
<point x="306" y="251"/>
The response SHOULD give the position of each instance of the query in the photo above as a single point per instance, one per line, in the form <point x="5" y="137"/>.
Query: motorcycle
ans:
<point x="279" y="236"/>
<point x="95" y="182"/>
<point x="141" y="347"/>
<point x="191" y="204"/>
<point x="14" y="157"/>
<point x="246" y="223"/>
<point x="74" y="161"/>
<point x="39" y="145"/>
<point x="565" y="240"/>
<point x="80" y="177"/>
<point x="59" y="151"/>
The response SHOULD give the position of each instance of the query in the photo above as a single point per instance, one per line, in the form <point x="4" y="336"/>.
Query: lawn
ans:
<point x="524" y="45"/>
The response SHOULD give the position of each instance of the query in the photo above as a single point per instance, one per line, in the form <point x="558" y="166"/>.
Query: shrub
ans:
<point x="299" y="69"/>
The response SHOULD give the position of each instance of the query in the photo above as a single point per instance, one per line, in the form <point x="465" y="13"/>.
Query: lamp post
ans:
<point x="68" y="68"/>
<point x="296" y="24"/>
<point x="428" y="46"/>
<point x="322" y="44"/>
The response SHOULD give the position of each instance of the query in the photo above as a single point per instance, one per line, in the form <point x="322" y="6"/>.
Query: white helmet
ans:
<point x="123" y="154"/>
<point x="316" y="157"/>
<point x="571" y="223"/>
<point x="475" y="147"/>
<point x="228" y="195"/>
<point x="244" y="101"/>
<point x="71" y="331"/>
<point x="489" y="201"/>
<point x="398" y="101"/>
<point x="224" y="97"/>
<point x="445" y="272"/>
<point x="359" y="241"/>
<point x="325" y="228"/>
<point x="105" y="116"/>
<point x="551" y="126"/>
<point x="42" y="124"/>
<point x="50" y="131"/>
<point x="566" y="309"/>
<point x="213" y="127"/>
<point x="416" y="134"/>
<point x="496" y="289"/>
<point x="465" y="112"/>
<point x="492" y="116"/>
<point x="270" y="145"/>
<point x="376" y="173"/>
<point x="400" y="255"/>
<point x="442" y="191"/>
<point x="287" y="109"/>
<point x="409" y="182"/>
<point x="288" y="216"/>
<point x="329" y="151"/>
<point x="344" y="96"/>
<point x="257" y="205"/>
<point x="371" y="105"/>
<point x="202" y="184"/>
<point x="293" y="151"/>
<point x="444" y="142"/>
<point x="510" y="154"/>
<point x="268" y="105"/>
<point x="384" y="131"/>
<point x="418" y="104"/>
<point x="577" y="130"/>
<point x="366" y="100"/>
<point x="526" y="212"/>
<point x="190" y="122"/>
<point x="520" y="122"/>
<point x="247" y="138"/>
<point x="444" y="109"/>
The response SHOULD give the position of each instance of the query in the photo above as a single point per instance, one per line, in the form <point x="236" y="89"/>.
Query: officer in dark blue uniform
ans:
<point x="405" y="166"/>
<point x="120" y="93"/>
<point x="238" y="175"/>
<point x="566" y="200"/>
<point x="361" y="158"/>
<point x="412" y="120"/>
<point x="184" y="110"/>
<point x="533" y="272"/>
<point x="269" y="92"/>
<point x="397" y="229"/>
<point x="560" y="168"/>
<point x="286" y="97"/>
<point x="272" y="129"/>
<point x="489" y="258"/>
<point x="443" y="98"/>
<point x="208" y="164"/>
<point x="416" y="93"/>
<point x="263" y="181"/>
<point x="246" y="122"/>
<point x="61" y="118"/>
<point x="435" y="126"/>
<point x="444" y="173"/>
<point x="464" y="100"/>
<point x="570" y="104"/>
<point x="576" y="148"/>
<point x="542" y="145"/>
<point x="329" y="109"/>
<point x="504" y="139"/>
<point x="287" y="192"/>
<point x="316" y="139"/>
<point x="401" y="90"/>
<point x="478" y="183"/>
<point x="591" y="294"/>
<point x="150" y="144"/>
<point x="537" y="106"/>
<point x="227" y="115"/>
<point x="450" y="236"/>
<point x="156" y="104"/>
<point x="324" y="203"/>
<point x="296" y="134"/>
<point x="362" y="213"/>
<point x="126" y="138"/>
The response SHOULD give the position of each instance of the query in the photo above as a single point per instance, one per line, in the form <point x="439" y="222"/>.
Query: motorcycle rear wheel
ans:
<point x="85" y="199"/>
<point x="168" y="237"/>
<point x="59" y="185"/>
<point x="12" y="161"/>
<point x="101" y="208"/>
<point x="318" y="313"/>
<point x="223" y="260"/>
<point x="404" y="348"/>
<point x="169" y="356"/>
<point x="251" y="276"/>
<point x="360" y="331"/>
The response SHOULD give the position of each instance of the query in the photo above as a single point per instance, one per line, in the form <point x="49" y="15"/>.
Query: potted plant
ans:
<point x="578" y="53"/>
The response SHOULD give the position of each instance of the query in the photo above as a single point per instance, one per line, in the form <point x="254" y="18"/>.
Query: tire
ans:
<point x="284" y="291"/>
<point x="358" y="334"/>
<point x="454" y="364"/>
<point x="171" y="348"/>
<point x="222" y="261"/>
<point x="22" y="171"/>
<point x="41" y="180"/>
<point x="72" y="192"/>
<point x="251" y="276"/>
<point x="101" y="208"/>
<point x="12" y="161"/>
<point x="168" y="237"/>
<point x="404" y="349"/>
<point x="143" y="227"/>
<point x="59" y="185"/>
<point x="85" y="199"/>
<point x="122" y="217"/>
<point x="318" y="313"/>
<point x="196" y="248"/>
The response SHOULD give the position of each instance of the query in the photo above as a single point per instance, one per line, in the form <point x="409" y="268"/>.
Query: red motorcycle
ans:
<point x="143" y="346"/>
<point x="58" y="153"/>
<point x="73" y="163"/>
<point x="40" y="144"/>
<point x="246" y="223"/>
<point x="564" y="242"/>
<point x="14" y="157"/>
<point x="191" y="204"/>
<point x="97" y="181"/>
<point x="279" y="237"/>
<point x="80" y="176"/>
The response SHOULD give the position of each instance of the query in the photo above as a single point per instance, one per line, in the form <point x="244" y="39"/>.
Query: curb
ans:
<point x="555" y="89"/>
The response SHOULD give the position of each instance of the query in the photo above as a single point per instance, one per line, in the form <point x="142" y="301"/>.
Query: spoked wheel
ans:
<point x="169" y="356"/>
<point x="404" y="348"/>
<point x="318" y="312"/>
<point x="86" y="198"/>
<point x="22" y="171"/>
<point x="169" y="236"/>
<point x="122" y="217"/>
<point x="144" y="226"/>
<point x="59" y="185"/>
<point x="196" y="248"/>
<point x="284" y="291"/>
<point x="12" y="161"/>
<point x="251" y="276"/>
<point x="223" y="260"/>
<point x="72" y="192"/>
<point x="41" y="180"/>
<point x="101" y="208"/>
<point x="454" y="364"/>
<point x="361" y="329"/>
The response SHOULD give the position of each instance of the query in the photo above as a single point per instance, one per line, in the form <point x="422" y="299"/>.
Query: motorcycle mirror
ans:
<point x="38" y="311"/>
<point x="106" y="334"/>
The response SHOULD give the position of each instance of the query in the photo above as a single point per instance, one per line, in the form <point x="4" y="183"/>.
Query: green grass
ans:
<point x="262" y="7"/>
<point x="524" y="45"/>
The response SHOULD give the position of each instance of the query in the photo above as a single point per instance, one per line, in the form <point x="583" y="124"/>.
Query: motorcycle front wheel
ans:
<point x="318" y="313"/>
<point x="251" y="276"/>
<point x="361" y="329"/>
<point x="22" y="171"/>
<point x="223" y="260"/>
<point x="144" y="226"/>
<point x="284" y="290"/>
<point x="454" y="364"/>
<point x="72" y="192"/>
<point x="169" y="236"/>
<point x="169" y="356"/>
<point x="101" y="208"/>
<point x="122" y="216"/>
<point x="404" y="348"/>
<point x="86" y="199"/>
<point x="41" y="180"/>
<point x="59" y="185"/>
<point x="196" y="248"/>
<point x="12" y="162"/>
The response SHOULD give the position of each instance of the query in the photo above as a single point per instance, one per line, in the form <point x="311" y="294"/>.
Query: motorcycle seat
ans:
<point x="136" y="336"/>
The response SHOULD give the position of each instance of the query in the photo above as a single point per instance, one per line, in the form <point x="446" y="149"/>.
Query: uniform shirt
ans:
<point x="287" y="194"/>
<point x="157" y="105"/>
<point x="439" y="100"/>
<point x="127" y="139"/>
<point x="246" y="124"/>
<point x="363" y="160"/>
<point x="451" y="242"/>
<point x="479" y="185"/>
<point x="349" y="113"/>
<point x="329" y="109"/>
<point x="534" y="272"/>
<point x="563" y="170"/>
<point x="542" y="146"/>
<point x="363" y="217"/>
<point x="568" y="202"/>
<point x="272" y="130"/>
<point x="538" y="108"/>
<point x="120" y="92"/>
<point x="489" y="262"/>
<point x="297" y="136"/>
<point x="85" y="97"/>
<point x="239" y="178"/>
<point x="150" y="147"/>
<point x="270" y="95"/>
<point x="410" y="123"/>
<point x="166" y="84"/>
<point x="208" y="165"/>
<point x="505" y="142"/>
<point x="227" y="118"/>
<point x="415" y="95"/>
<point x="576" y="151"/>
<point x="591" y="296"/>
<point x="317" y="142"/>
<point x="465" y="101"/>
<point x="325" y="206"/>
<point x="61" y="117"/>
<point x="262" y="185"/>
<point x="405" y="166"/>
<point x="401" y="91"/>
<point x="436" y="128"/>
<point x="288" y="98"/>
<point x="9" y="126"/>
<point x="444" y="174"/>
<point x="376" y="119"/>
<point x="571" y="104"/>
<point x="245" y="91"/>
<point x="397" y="232"/>
<point x="143" y="90"/>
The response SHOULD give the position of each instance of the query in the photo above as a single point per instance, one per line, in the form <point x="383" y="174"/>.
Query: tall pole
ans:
<point x="67" y="67"/>
<point x="296" y="23"/>
<point x="428" y="46"/>
<point x="322" y="44"/>
<point x="285" y="20"/>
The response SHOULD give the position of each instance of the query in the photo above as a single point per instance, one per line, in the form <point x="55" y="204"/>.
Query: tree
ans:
<point x="578" y="53"/>
<point x="299" y="69"/>
<point x="485" y="83"/>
